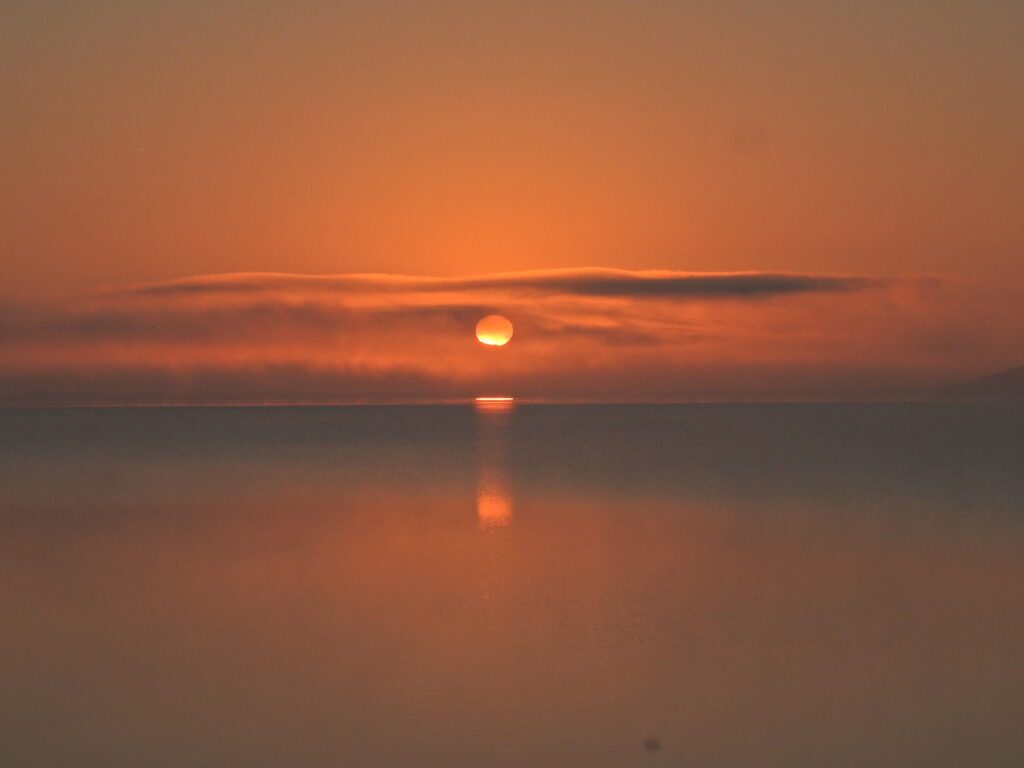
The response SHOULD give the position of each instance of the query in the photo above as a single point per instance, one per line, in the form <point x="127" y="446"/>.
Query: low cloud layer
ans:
<point x="580" y="334"/>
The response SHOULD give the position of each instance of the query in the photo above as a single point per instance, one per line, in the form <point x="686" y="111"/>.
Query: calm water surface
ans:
<point x="546" y="586"/>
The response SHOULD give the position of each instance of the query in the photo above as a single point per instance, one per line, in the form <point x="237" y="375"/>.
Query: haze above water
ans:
<point x="836" y="585"/>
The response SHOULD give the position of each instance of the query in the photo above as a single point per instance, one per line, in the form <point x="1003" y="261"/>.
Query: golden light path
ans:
<point x="493" y="490"/>
<point x="493" y="498"/>
<point x="494" y="330"/>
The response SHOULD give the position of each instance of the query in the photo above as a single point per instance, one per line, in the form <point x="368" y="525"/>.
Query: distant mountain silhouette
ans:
<point x="1005" y="385"/>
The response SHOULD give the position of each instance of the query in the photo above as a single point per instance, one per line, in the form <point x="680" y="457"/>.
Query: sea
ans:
<point x="505" y="584"/>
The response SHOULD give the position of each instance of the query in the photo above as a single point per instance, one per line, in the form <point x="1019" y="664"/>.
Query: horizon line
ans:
<point x="469" y="401"/>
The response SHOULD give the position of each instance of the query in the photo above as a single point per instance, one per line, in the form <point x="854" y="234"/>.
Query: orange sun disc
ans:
<point x="494" y="330"/>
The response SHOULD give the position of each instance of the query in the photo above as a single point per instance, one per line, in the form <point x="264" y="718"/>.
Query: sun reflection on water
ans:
<point x="493" y="490"/>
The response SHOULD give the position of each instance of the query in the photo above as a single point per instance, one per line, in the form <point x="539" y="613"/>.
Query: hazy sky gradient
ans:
<point x="148" y="140"/>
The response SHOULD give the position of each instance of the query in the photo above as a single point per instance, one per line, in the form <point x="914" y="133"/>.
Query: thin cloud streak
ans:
<point x="579" y="282"/>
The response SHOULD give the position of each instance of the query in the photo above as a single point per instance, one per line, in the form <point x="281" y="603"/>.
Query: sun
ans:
<point x="494" y="330"/>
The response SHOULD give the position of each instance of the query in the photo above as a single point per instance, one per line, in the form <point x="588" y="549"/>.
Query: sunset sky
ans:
<point x="315" y="202"/>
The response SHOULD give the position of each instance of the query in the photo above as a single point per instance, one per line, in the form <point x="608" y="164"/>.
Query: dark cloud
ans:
<point x="641" y="284"/>
<point x="568" y="282"/>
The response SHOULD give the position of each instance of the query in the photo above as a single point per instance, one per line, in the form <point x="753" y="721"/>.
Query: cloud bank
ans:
<point x="582" y="334"/>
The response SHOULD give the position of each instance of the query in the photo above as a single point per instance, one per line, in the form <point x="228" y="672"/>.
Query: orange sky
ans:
<point x="145" y="142"/>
